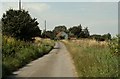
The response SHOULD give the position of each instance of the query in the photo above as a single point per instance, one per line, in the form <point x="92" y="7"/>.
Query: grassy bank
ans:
<point x="16" y="53"/>
<point x="92" y="58"/>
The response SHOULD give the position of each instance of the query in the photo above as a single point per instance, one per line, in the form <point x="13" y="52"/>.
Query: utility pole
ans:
<point x="19" y="4"/>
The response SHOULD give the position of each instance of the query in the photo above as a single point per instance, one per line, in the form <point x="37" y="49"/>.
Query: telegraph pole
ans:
<point x="19" y="4"/>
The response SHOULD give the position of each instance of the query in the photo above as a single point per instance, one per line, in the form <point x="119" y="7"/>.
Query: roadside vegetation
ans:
<point x="16" y="53"/>
<point x="95" y="58"/>
<point x="21" y="40"/>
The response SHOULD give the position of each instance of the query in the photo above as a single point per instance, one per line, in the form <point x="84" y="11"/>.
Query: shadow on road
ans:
<point x="56" y="48"/>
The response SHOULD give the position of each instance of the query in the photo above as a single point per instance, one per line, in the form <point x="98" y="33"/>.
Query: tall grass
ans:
<point x="92" y="58"/>
<point x="16" y="53"/>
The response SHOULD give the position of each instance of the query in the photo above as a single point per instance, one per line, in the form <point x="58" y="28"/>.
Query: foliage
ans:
<point x="96" y="37"/>
<point x="48" y="34"/>
<point x="19" y="24"/>
<point x="107" y="36"/>
<point x="58" y="29"/>
<point x="16" y="53"/>
<point x="114" y="45"/>
<point x="101" y="37"/>
<point x="76" y="30"/>
<point x="93" y="58"/>
<point x="84" y="33"/>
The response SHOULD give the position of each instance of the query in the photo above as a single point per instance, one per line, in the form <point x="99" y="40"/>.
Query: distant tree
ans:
<point x="97" y="37"/>
<point x="84" y="33"/>
<point x="19" y="24"/>
<point x="101" y="37"/>
<point x="107" y="36"/>
<point x="58" y="29"/>
<point x="76" y="30"/>
<point x="48" y="34"/>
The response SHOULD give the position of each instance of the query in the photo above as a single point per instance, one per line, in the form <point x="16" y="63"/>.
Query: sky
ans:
<point x="100" y="16"/>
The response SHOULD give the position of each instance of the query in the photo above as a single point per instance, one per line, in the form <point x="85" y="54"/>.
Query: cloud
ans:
<point x="98" y="17"/>
<point x="61" y="0"/>
<point x="37" y="7"/>
<point x="33" y="7"/>
<point x="6" y="6"/>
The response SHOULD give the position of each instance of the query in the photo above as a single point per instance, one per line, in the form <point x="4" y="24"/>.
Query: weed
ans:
<point x="16" y="53"/>
<point x="92" y="58"/>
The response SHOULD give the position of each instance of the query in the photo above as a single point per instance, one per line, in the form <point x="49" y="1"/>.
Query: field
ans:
<point x="93" y="58"/>
<point x="16" y="53"/>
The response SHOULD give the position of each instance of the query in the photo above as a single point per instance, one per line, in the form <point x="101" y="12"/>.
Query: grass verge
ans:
<point x="92" y="58"/>
<point x="16" y="53"/>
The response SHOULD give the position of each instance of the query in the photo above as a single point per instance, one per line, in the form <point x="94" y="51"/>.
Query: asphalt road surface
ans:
<point x="57" y="63"/>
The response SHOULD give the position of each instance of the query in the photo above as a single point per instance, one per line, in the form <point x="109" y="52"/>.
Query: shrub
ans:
<point x="18" y="53"/>
<point x="114" y="45"/>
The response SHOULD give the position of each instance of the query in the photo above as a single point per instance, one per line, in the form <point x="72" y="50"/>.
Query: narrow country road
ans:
<point x="57" y="63"/>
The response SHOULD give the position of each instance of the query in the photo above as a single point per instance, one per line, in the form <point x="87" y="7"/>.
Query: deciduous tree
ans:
<point x="19" y="24"/>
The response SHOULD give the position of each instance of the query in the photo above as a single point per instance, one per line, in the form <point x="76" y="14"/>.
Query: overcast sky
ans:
<point x="100" y="17"/>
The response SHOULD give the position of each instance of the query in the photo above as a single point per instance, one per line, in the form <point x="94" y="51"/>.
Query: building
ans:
<point x="62" y="35"/>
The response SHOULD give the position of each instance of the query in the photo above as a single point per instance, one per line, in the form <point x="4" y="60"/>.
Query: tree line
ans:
<point x="75" y="31"/>
<point x="20" y="24"/>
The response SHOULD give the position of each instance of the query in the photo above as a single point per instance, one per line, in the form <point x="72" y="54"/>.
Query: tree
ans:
<point x="58" y="29"/>
<point x="19" y="24"/>
<point x="107" y="36"/>
<point x="76" y="30"/>
<point x="97" y="37"/>
<point x="48" y="34"/>
<point x="84" y="33"/>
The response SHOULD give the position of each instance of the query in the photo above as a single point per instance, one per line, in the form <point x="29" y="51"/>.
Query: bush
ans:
<point x="18" y="53"/>
<point x="114" y="45"/>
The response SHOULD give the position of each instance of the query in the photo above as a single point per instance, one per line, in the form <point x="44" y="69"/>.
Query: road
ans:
<point x="57" y="63"/>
